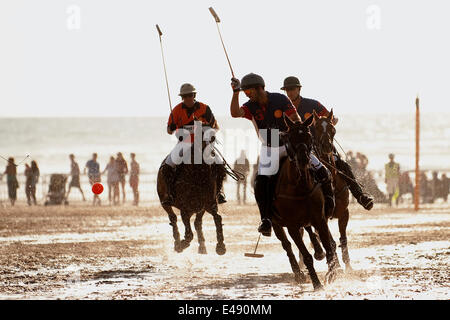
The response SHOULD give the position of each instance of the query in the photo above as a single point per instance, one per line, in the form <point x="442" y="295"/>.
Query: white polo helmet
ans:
<point x="187" y="88"/>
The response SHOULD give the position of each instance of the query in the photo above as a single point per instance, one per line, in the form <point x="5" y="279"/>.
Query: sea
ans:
<point x="49" y="141"/>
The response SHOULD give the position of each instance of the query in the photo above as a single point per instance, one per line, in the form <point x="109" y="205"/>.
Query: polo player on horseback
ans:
<point x="266" y="110"/>
<point x="305" y="108"/>
<point x="184" y="116"/>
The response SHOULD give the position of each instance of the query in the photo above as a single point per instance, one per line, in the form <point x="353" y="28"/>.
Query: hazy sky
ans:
<point x="103" y="58"/>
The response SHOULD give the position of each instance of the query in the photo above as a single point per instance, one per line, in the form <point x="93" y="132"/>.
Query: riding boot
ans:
<point x="168" y="174"/>
<point x="263" y="195"/>
<point x="323" y="176"/>
<point x="363" y="199"/>
<point x="220" y="176"/>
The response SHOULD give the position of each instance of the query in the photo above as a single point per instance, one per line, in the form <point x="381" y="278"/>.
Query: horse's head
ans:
<point x="298" y="141"/>
<point x="324" y="132"/>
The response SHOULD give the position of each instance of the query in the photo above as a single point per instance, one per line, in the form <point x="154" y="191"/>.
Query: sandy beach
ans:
<point x="82" y="252"/>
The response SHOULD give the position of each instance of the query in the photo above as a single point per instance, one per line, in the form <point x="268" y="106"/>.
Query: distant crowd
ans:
<point x="398" y="183"/>
<point x="116" y="170"/>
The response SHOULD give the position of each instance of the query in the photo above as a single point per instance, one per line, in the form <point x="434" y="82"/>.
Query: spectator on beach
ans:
<point x="405" y="185"/>
<point x="93" y="174"/>
<point x="11" y="180"/>
<point x="35" y="173"/>
<point x="392" y="175"/>
<point x="242" y="165"/>
<point x="445" y="186"/>
<point x="424" y="188"/>
<point x="122" y="169"/>
<point x="112" y="180"/>
<point x="435" y="187"/>
<point x="28" y="177"/>
<point x="75" y="176"/>
<point x="134" y="178"/>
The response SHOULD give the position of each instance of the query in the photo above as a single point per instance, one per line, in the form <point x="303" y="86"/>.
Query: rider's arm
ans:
<point x="235" y="110"/>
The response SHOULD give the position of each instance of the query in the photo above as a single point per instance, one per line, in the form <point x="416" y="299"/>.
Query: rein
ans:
<point x="235" y="175"/>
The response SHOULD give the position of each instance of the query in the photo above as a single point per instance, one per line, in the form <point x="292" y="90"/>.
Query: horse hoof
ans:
<point x="202" y="250"/>
<point x="177" y="247"/>
<point x="184" y="244"/>
<point x="318" y="287"/>
<point x="319" y="255"/>
<point x="300" y="277"/>
<point x="220" y="249"/>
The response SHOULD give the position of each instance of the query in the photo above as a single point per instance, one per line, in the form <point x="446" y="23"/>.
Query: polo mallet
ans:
<point x="216" y="17"/>
<point x="254" y="254"/>
<point x="165" y="72"/>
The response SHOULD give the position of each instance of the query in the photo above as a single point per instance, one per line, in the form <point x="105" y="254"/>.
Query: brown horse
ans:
<point x="299" y="202"/>
<point x="324" y="135"/>
<point x="195" y="192"/>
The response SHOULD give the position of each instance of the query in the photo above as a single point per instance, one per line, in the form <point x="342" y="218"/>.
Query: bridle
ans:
<point x="292" y="147"/>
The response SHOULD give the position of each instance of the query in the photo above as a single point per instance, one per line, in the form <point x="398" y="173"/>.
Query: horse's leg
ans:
<point x="188" y="235"/>
<point x="173" y="223"/>
<point x="281" y="235"/>
<point x="309" y="262"/>
<point x="334" y="247"/>
<point x="198" y="228"/>
<point x="301" y="263"/>
<point x="318" y="251"/>
<point x="220" y="247"/>
<point x="327" y="240"/>
<point x="343" y="221"/>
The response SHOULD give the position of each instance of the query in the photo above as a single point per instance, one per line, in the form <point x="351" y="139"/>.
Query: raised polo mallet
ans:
<point x="216" y="17"/>
<point x="165" y="72"/>
<point x="254" y="254"/>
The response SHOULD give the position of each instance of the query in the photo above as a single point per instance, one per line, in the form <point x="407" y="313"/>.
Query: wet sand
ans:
<point x="81" y="252"/>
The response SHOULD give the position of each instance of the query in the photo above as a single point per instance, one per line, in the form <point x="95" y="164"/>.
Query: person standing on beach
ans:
<point x="122" y="169"/>
<point x="28" y="176"/>
<point x="134" y="178"/>
<point x="93" y="174"/>
<point x="242" y="165"/>
<point x="112" y="180"/>
<point x="392" y="176"/>
<point x="35" y="173"/>
<point x="75" y="176"/>
<point x="11" y="180"/>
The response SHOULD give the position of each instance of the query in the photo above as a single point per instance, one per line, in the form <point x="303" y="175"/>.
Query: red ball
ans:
<point x="97" y="188"/>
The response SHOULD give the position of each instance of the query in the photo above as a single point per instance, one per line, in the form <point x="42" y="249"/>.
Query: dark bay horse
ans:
<point x="299" y="202"/>
<point x="323" y="145"/>
<point x="195" y="192"/>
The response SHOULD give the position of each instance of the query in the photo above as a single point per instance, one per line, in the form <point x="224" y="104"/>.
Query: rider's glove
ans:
<point x="173" y="127"/>
<point x="235" y="84"/>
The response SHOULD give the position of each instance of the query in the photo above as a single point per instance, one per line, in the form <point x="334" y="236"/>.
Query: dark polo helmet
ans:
<point x="291" y="82"/>
<point x="252" y="80"/>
